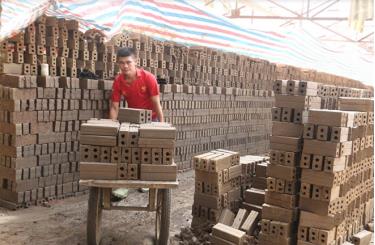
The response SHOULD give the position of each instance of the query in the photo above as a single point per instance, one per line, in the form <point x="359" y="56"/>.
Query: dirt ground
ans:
<point x="64" y="222"/>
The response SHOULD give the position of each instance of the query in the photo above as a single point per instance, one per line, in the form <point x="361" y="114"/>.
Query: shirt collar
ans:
<point x="138" y="74"/>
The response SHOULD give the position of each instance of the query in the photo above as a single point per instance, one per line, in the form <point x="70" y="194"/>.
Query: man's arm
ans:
<point x="113" y="111"/>
<point x="156" y="102"/>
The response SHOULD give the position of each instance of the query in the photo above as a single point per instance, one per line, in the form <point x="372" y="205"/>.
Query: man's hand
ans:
<point x="113" y="110"/>
<point x="156" y="102"/>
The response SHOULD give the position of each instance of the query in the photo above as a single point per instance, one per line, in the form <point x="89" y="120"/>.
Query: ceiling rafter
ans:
<point x="312" y="11"/>
<point x="307" y="11"/>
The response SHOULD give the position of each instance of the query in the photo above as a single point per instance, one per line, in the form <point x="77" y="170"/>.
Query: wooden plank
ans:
<point x="158" y="176"/>
<point x="129" y="184"/>
<point x="155" y="168"/>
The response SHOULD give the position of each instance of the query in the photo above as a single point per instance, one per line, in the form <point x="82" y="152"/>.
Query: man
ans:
<point x="140" y="89"/>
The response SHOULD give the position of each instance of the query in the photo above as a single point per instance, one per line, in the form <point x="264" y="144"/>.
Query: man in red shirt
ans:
<point x="139" y="87"/>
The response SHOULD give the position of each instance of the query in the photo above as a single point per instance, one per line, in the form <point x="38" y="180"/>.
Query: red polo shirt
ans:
<point x="137" y="94"/>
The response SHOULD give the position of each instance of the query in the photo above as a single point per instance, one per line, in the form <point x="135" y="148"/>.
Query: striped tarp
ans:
<point x="185" y="23"/>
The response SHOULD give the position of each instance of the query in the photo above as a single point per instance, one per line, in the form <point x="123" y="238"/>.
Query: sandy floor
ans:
<point x="64" y="222"/>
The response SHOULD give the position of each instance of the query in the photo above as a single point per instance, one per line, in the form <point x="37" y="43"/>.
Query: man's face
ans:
<point x="127" y="65"/>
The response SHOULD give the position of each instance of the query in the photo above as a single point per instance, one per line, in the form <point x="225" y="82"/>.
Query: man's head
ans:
<point x="126" y="62"/>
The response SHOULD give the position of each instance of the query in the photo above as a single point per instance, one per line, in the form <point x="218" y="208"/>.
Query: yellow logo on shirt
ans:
<point x="143" y="89"/>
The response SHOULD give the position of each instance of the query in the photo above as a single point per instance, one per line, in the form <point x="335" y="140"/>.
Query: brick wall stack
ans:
<point x="293" y="99"/>
<point x="336" y="198"/>
<point x="254" y="194"/>
<point x="221" y="182"/>
<point x="135" y="149"/>
<point x="209" y="118"/>
<point x="217" y="185"/>
<point x="296" y="73"/>
<point x="222" y="99"/>
<point x="330" y="95"/>
<point x="40" y="135"/>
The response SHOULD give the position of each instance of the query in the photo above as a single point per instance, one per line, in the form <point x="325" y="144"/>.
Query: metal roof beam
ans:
<point x="285" y="8"/>
<point x="335" y="32"/>
<point x="338" y="40"/>
<point x="326" y="7"/>
<point x="307" y="11"/>
<point x="365" y="37"/>
<point x="292" y="18"/>
<point x="208" y="2"/>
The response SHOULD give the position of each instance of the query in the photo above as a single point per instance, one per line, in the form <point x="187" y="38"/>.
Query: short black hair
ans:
<point x="125" y="52"/>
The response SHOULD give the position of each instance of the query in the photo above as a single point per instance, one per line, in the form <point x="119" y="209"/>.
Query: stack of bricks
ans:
<point x="233" y="225"/>
<point x="68" y="52"/>
<point x="253" y="167"/>
<point x="210" y="117"/>
<point x="136" y="149"/>
<point x="336" y="198"/>
<point x="293" y="99"/>
<point x="60" y="44"/>
<point x="99" y="151"/>
<point x="330" y="95"/>
<point x="19" y="53"/>
<point x="254" y="194"/>
<point x="157" y="142"/>
<point x="237" y="88"/>
<point x="199" y="65"/>
<point x="40" y="119"/>
<point x="217" y="185"/>
<point x="296" y="73"/>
